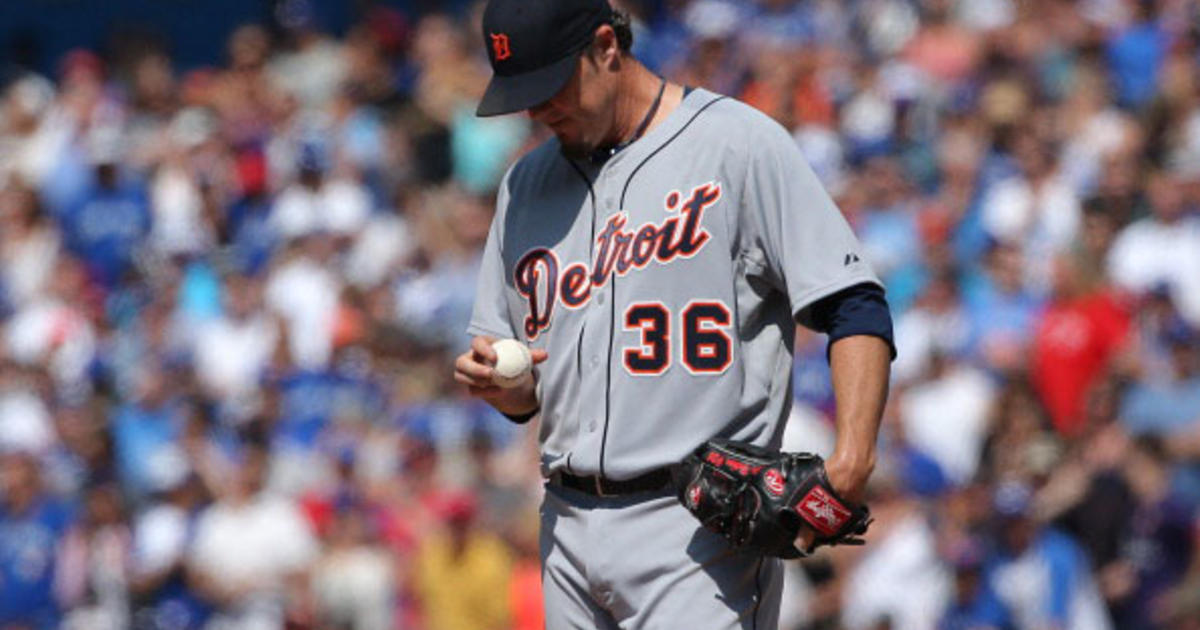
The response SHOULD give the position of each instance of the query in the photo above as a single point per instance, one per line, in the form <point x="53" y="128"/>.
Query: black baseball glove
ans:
<point x="757" y="499"/>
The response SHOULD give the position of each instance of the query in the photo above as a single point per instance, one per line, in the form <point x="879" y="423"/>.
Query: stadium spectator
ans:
<point x="32" y="529"/>
<point x="463" y="572"/>
<point x="252" y="549"/>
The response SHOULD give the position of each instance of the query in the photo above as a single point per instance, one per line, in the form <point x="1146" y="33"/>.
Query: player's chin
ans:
<point x="573" y="145"/>
<point x="574" y="150"/>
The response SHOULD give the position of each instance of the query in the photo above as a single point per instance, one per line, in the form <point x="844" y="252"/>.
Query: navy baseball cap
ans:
<point x="533" y="46"/>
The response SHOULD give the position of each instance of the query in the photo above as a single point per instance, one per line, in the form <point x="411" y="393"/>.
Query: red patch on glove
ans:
<point x="821" y="510"/>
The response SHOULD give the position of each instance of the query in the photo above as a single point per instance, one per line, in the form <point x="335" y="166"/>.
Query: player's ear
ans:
<point x="606" y="49"/>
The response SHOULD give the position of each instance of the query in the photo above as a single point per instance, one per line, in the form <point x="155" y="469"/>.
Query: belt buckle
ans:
<point x="600" y="487"/>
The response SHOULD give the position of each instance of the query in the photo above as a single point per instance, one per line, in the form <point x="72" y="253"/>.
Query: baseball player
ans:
<point x="656" y="255"/>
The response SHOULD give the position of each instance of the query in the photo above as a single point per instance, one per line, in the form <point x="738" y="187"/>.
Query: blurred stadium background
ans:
<point x="237" y="249"/>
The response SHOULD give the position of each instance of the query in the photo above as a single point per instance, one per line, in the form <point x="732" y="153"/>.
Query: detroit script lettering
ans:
<point x="617" y="250"/>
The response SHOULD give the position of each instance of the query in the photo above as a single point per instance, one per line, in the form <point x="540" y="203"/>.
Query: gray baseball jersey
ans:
<point x="665" y="284"/>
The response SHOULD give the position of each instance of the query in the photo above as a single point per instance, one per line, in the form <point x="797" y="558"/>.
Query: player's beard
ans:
<point x="575" y="150"/>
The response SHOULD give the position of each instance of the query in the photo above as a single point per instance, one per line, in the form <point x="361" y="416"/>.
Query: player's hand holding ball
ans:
<point x="501" y="373"/>
<point x="514" y="363"/>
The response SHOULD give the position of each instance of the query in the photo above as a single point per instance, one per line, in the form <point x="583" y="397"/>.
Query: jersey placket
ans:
<point x="599" y="338"/>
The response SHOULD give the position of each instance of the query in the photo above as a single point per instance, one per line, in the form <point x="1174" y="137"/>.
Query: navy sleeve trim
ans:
<point x="858" y="310"/>
<point x="523" y="418"/>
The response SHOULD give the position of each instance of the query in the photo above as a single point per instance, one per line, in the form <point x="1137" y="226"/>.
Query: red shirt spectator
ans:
<point x="1076" y="338"/>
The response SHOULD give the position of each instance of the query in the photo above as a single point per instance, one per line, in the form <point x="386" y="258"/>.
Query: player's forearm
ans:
<point x="860" y="373"/>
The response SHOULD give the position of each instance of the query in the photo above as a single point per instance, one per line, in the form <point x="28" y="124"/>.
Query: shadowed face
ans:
<point x="582" y="115"/>
<point x="18" y="481"/>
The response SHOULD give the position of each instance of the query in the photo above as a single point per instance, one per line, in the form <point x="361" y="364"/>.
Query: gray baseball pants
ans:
<point x="642" y="562"/>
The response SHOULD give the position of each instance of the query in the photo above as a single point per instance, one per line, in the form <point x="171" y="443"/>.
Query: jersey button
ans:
<point x="600" y="299"/>
<point x="595" y="361"/>
<point x="592" y="426"/>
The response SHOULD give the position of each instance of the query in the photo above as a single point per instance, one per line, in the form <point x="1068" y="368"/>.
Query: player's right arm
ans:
<point x="473" y="368"/>
<point x="491" y="320"/>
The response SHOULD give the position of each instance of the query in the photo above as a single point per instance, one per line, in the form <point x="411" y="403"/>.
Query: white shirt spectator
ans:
<point x="946" y="419"/>
<point x="1013" y="210"/>
<point x="921" y="332"/>
<point x="985" y="15"/>
<point x="384" y="243"/>
<point x="868" y="117"/>
<point x="159" y="538"/>
<point x="354" y="588"/>
<point x="899" y="578"/>
<point x="230" y="355"/>
<point x="25" y="423"/>
<point x="312" y="73"/>
<point x="306" y="294"/>
<point x="1149" y="252"/>
<point x="32" y="155"/>
<point x="257" y="543"/>
<point x="1043" y="221"/>
<point x="438" y="302"/>
<point x="55" y="334"/>
<point x="808" y="431"/>
<point x="179" y="226"/>
<point x="265" y="538"/>
<point x="1104" y="132"/>
<point x="29" y="262"/>
<point x="822" y="148"/>
<point x="340" y="206"/>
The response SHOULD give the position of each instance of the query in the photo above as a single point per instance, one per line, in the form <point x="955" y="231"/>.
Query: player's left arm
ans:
<point x="811" y="254"/>
<point x="861" y="348"/>
<point x="860" y="372"/>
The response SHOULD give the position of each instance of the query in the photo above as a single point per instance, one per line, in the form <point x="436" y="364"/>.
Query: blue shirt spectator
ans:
<point x="311" y="399"/>
<point x="1162" y="409"/>
<point x="1171" y="406"/>
<point x="1002" y="312"/>
<point x="1135" y="57"/>
<point x="976" y="606"/>
<point x="810" y="375"/>
<point x="892" y="241"/>
<point x="31" y="527"/>
<point x="144" y="431"/>
<point x="1041" y="575"/>
<point x="107" y="225"/>
<point x="254" y="239"/>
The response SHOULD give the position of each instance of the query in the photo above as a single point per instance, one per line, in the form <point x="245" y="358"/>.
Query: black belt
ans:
<point x="657" y="479"/>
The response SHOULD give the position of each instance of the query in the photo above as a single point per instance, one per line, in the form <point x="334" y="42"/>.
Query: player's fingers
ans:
<point x="471" y="381"/>
<point x="538" y="355"/>
<point x="483" y="391"/>
<point x="468" y="366"/>
<point x="805" y="537"/>
<point x="482" y="347"/>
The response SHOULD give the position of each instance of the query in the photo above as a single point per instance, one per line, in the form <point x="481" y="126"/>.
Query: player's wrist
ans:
<point x="862" y="463"/>
<point x="519" y="401"/>
<point x="516" y="410"/>
<point x="848" y="473"/>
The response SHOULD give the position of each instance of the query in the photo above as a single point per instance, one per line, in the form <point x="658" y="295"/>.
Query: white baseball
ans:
<point x="513" y="363"/>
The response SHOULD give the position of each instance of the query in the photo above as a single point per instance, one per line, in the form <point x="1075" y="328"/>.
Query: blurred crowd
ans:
<point x="230" y="297"/>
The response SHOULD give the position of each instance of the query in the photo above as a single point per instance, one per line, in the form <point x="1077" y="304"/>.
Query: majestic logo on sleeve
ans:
<point x="617" y="250"/>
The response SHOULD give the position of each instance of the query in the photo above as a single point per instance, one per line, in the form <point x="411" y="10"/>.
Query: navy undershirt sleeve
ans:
<point x="858" y="310"/>
<point x="523" y="418"/>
